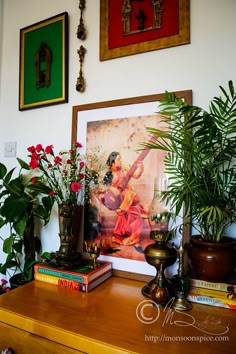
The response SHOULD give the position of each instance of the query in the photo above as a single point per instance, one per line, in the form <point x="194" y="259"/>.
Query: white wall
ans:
<point x="203" y="65"/>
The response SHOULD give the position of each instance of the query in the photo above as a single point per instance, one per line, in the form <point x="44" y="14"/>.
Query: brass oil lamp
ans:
<point x="159" y="254"/>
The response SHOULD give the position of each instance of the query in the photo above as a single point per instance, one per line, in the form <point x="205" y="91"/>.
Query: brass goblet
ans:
<point x="94" y="250"/>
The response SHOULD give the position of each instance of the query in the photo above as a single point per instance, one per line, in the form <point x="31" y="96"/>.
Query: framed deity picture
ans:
<point x="114" y="130"/>
<point x="44" y="63"/>
<point x="131" y="27"/>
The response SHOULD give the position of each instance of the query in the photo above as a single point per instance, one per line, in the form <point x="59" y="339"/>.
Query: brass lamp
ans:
<point x="159" y="254"/>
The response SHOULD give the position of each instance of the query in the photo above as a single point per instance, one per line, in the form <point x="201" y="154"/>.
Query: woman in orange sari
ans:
<point x="121" y="196"/>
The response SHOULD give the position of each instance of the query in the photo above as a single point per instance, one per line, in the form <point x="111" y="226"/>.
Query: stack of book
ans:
<point x="82" y="278"/>
<point x="213" y="294"/>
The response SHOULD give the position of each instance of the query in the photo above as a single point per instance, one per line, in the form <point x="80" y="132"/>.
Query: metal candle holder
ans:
<point x="181" y="284"/>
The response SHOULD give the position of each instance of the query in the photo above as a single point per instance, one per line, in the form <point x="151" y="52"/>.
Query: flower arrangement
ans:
<point x="3" y="287"/>
<point x="63" y="172"/>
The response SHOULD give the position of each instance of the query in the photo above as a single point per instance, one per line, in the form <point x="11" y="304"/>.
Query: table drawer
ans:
<point x="23" y="342"/>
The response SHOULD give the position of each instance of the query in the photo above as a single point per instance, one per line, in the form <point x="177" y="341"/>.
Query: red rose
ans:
<point x="75" y="186"/>
<point x="38" y="147"/>
<point x="31" y="148"/>
<point x="33" y="164"/>
<point x="34" y="156"/>
<point x="81" y="164"/>
<point x="77" y="144"/>
<point x="58" y="160"/>
<point x="34" y="180"/>
<point x="48" y="149"/>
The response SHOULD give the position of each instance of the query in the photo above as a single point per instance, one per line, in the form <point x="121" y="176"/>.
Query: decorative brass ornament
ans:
<point x="141" y="17"/>
<point x="81" y="31"/>
<point x="43" y="60"/>
<point x="80" y="84"/>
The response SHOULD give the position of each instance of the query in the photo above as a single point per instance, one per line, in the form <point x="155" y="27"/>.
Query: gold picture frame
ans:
<point x="143" y="42"/>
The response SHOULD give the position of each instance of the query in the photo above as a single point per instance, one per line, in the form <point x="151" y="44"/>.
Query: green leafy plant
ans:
<point x="22" y="199"/>
<point x="200" y="148"/>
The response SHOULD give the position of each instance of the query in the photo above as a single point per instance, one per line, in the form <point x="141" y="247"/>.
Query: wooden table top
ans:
<point x="116" y="318"/>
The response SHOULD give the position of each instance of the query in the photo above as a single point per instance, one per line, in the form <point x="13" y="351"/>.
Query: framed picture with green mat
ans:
<point x="44" y="63"/>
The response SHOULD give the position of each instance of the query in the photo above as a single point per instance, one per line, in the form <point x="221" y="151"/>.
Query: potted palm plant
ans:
<point x="200" y="157"/>
<point x="21" y="201"/>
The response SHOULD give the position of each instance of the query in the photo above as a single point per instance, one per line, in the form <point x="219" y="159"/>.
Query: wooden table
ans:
<point x="115" y="317"/>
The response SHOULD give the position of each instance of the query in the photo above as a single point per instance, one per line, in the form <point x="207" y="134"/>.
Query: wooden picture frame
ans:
<point x="119" y="125"/>
<point x="126" y="28"/>
<point x="43" y="76"/>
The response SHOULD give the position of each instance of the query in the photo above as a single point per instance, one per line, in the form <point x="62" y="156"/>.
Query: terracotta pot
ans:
<point x="212" y="261"/>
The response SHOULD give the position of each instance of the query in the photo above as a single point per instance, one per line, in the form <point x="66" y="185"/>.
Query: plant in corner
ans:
<point x="200" y="157"/>
<point x="21" y="201"/>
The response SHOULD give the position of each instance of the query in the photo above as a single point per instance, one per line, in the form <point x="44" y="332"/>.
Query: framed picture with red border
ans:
<point x="136" y="26"/>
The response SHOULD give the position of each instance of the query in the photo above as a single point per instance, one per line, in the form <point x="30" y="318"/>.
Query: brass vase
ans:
<point x="69" y="223"/>
<point x="65" y="214"/>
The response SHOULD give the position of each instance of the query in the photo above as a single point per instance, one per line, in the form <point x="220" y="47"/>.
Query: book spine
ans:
<point x="59" y="274"/>
<point x="61" y="282"/>
<point x="213" y="286"/>
<point x="211" y="301"/>
<point x="215" y="293"/>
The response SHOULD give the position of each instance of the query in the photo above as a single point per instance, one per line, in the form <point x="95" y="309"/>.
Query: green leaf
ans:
<point x="20" y="225"/>
<point x="28" y="270"/>
<point x="45" y="255"/>
<point x="23" y="164"/>
<point x="14" y="207"/>
<point x="7" y="244"/>
<point x="18" y="246"/>
<point x="3" y="222"/>
<point x="3" y="170"/>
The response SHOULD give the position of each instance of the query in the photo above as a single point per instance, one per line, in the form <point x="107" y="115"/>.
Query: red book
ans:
<point x="72" y="284"/>
<point x="82" y="274"/>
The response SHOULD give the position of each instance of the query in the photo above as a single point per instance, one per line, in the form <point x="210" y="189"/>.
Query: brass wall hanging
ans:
<point x="81" y="34"/>
<point x="81" y="31"/>
<point x="80" y="85"/>
<point x="43" y="60"/>
<point x="141" y="17"/>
